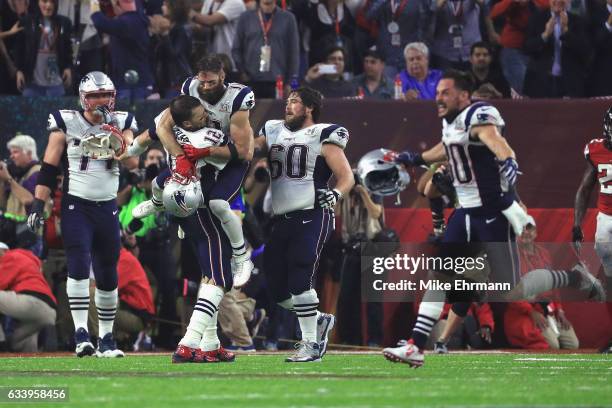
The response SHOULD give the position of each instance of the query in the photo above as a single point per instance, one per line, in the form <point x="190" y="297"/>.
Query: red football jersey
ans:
<point x="601" y="158"/>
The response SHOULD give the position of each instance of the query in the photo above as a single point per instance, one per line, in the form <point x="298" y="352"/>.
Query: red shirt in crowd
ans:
<point x="134" y="288"/>
<point x="21" y="271"/>
<point x="516" y="14"/>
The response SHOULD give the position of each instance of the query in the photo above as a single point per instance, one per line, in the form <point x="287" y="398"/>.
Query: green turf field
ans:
<point x="339" y="381"/>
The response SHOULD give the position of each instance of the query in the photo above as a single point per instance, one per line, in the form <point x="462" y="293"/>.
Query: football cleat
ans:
<point x="220" y="355"/>
<point x="325" y="324"/>
<point x="590" y="283"/>
<point x="83" y="343"/>
<point x="107" y="348"/>
<point x="406" y="352"/>
<point x="242" y="266"/>
<point x="183" y="354"/>
<point x="440" y="348"/>
<point x="306" y="352"/>
<point x="607" y="349"/>
<point x="146" y="208"/>
<point x="201" y="356"/>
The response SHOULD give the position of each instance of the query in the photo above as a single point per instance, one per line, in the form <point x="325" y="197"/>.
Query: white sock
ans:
<point x="542" y="280"/>
<point x="306" y="305"/>
<point x="78" y="298"/>
<point x="209" y="297"/>
<point x="210" y="340"/>
<point x="429" y="312"/>
<point x="106" y="304"/>
<point x="231" y="224"/>
<point x="157" y="195"/>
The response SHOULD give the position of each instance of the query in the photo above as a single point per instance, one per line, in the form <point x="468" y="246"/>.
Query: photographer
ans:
<point x="153" y="237"/>
<point x="362" y="218"/>
<point x="17" y="181"/>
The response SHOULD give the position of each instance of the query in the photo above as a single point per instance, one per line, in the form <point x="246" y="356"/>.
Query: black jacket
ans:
<point x="575" y="53"/>
<point x="600" y="78"/>
<point x="29" y="41"/>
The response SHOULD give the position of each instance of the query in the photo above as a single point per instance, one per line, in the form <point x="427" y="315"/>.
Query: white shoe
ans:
<point x="83" y="345"/>
<point x="306" y="352"/>
<point x="590" y="283"/>
<point x="406" y="352"/>
<point x="242" y="266"/>
<point x="146" y="208"/>
<point x="325" y="324"/>
<point x="107" y="348"/>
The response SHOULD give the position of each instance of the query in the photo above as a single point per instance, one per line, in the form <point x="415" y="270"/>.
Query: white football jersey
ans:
<point x="297" y="168"/>
<point x="84" y="177"/>
<point x="237" y="97"/>
<point x="205" y="137"/>
<point x="474" y="167"/>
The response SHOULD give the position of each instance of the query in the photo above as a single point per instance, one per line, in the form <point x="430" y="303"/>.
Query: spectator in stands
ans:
<point x="236" y="314"/>
<point x="267" y="45"/>
<point x="17" y="182"/>
<point x="136" y="306"/>
<point x="516" y="15"/>
<point x="559" y="49"/>
<point x="44" y="52"/>
<point x="600" y="80"/>
<point x="418" y="80"/>
<point x="332" y="84"/>
<point x="400" y="22"/>
<point x="25" y="297"/>
<point x="87" y="46"/>
<point x="539" y="325"/>
<point x="483" y="73"/>
<point x="173" y="48"/>
<point x="129" y="48"/>
<point x="373" y="82"/>
<point x="455" y="27"/>
<point x="330" y="22"/>
<point x="10" y="14"/>
<point x="221" y="17"/>
<point x="475" y="330"/>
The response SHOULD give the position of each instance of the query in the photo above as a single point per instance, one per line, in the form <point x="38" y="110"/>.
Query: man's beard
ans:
<point x="295" y="123"/>
<point x="212" y="97"/>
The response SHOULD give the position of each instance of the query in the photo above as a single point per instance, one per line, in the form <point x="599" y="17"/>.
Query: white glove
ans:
<point x="518" y="218"/>
<point x="328" y="198"/>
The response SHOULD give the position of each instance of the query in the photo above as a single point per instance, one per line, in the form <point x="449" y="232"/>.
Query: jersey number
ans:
<point x="292" y="161"/>
<point x="460" y="165"/>
<point x="604" y="175"/>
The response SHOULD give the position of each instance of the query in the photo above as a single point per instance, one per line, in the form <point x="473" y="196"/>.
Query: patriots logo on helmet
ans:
<point x="179" y="197"/>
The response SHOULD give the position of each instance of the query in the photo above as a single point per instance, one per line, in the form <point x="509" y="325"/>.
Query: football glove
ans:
<point x="509" y="170"/>
<point x="406" y="158"/>
<point x="195" y="153"/>
<point x="35" y="219"/>
<point x="183" y="170"/>
<point x="328" y="198"/>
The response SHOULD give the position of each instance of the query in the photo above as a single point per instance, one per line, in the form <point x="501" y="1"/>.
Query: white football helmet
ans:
<point x="96" y="82"/>
<point x="380" y="177"/>
<point x="182" y="200"/>
<point x="102" y="142"/>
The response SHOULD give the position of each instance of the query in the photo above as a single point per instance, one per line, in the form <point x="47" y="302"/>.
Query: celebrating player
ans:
<point x="484" y="171"/>
<point x="302" y="155"/>
<point x="598" y="154"/>
<point x="86" y="144"/>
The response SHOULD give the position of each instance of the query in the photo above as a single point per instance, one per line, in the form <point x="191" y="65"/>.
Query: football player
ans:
<point x="484" y="171"/>
<point x="84" y="146"/>
<point x="302" y="156"/>
<point x="598" y="154"/>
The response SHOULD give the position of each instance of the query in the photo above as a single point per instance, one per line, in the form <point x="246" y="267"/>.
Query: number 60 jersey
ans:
<point x="600" y="157"/>
<point x="297" y="168"/>
<point x="473" y="165"/>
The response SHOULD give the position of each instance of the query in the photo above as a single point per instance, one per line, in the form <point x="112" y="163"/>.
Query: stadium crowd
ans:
<point x="353" y="48"/>
<point x="380" y="49"/>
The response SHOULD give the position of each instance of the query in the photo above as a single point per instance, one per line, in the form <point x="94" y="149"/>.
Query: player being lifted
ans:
<point x="484" y="172"/>
<point x="302" y="156"/>
<point x="227" y="107"/>
<point x="598" y="154"/>
<point x="83" y="145"/>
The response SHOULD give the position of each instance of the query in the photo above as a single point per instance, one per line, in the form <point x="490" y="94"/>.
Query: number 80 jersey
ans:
<point x="473" y="165"/>
<point x="600" y="157"/>
<point x="297" y="168"/>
